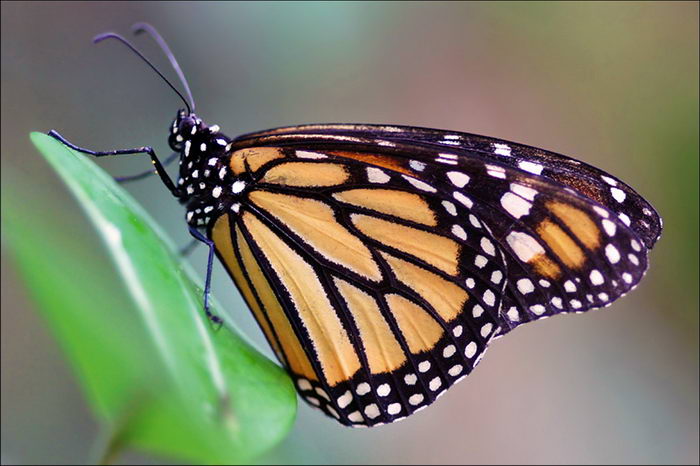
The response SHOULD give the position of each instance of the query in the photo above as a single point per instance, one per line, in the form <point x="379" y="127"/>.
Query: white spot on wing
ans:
<point x="489" y="298"/>
<point x="310" y="155"/>
<point x="459" y="232"/>
<point x="384" y="389"/>
<point x="525" y="286"/>
<point x="596" y="277"/>
<point x="446" y="161"/>
<point x="501" y="149"/>
<point x="513" y="314"/>
<point x="419" y="184"/>
<point x="304" y="384"/>
<point x="363" y="389"/>
<point x="531" y="167"/>
<point x="523" y="191"/>
<point x="435" y="383"/>
<point x="487" y="246"/>
<point x="237" y="186"/>
<point x="625" y="219"/>
<point x="609" y="227"/>
<point x="470" y="350"/>
<point x="618" y="194"/>
<point x="474" y="221"/>
<point x="458" y="179"/>
<point x="344" y="399"/>
<point x="524" y="246"/>
<point x="515" y="205"/>
<point x="496" y="171"/>
<point x="609" y="180"/>
<point x="416" y="165"/>
<point x="449" y="207"/>
<point x="602" y="212"/>
<point x="449" y="351"/>
<point x="376" y="175"/>
<point x="464" y="200"/>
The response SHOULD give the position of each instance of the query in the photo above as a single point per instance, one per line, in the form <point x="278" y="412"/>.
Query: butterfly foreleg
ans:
<point x="137" y="150"/>
<point x="207" y="282"/>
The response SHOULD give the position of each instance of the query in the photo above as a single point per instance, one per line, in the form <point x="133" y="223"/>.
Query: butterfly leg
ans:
<point x="138" y="150"/>
<point x="207" y="282"/>
<point x="146" y="174"/>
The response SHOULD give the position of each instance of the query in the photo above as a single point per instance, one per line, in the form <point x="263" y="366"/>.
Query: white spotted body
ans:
<point x="204" y="172"/>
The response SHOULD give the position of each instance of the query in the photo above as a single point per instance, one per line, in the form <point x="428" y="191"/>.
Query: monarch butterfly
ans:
<point x="381" y="260"/>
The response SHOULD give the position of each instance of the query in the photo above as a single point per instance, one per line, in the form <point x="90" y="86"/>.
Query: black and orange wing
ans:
<point x="380" y="268"/>
<point x="591" y="182"/>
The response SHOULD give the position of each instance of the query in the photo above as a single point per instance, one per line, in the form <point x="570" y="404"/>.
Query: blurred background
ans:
<point x="613" y="84"/>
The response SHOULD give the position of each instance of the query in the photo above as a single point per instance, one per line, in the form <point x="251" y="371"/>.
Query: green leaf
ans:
<point x="154" y="370"/>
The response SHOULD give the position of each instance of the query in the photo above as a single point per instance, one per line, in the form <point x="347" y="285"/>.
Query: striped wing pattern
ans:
<point x="380" y="262"/>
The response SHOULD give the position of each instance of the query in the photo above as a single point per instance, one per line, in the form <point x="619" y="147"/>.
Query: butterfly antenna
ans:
<point x="138" y="28"/>
<point x="111" y="35"/>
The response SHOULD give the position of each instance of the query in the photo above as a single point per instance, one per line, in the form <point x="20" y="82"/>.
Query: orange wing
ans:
<point x="379" y="279"/>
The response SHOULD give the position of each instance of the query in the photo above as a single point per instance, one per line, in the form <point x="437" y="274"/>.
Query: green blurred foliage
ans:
<point x="156" y="373"/>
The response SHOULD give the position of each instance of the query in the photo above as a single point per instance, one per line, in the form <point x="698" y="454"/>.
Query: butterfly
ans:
<point x="380" y="261"/>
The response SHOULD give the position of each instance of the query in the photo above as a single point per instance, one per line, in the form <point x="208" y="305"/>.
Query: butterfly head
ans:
<point x="184" y="127"/>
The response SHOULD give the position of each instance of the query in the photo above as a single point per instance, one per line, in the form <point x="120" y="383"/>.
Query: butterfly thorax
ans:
<point x="207" y="186"/>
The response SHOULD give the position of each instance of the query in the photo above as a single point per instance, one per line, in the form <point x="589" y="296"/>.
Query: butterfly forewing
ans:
<point x="380" y="261"/>
<point x="595" y="184"/>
